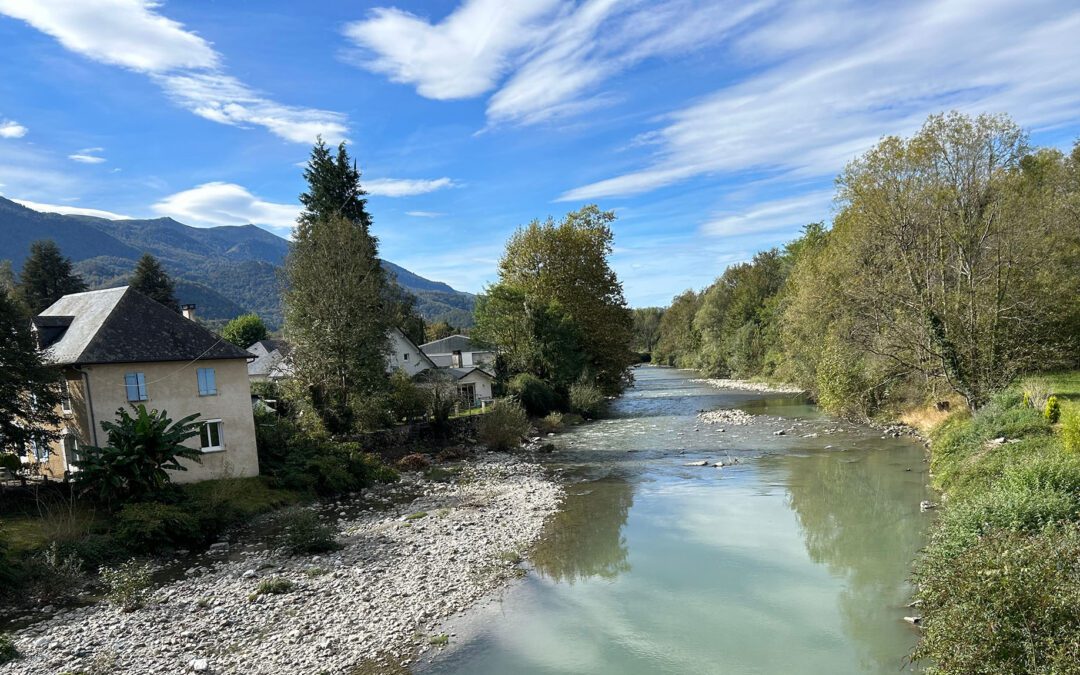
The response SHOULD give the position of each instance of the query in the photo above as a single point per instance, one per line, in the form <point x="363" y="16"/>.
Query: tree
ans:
<point x="566" y="263"/>
<point x="647" y="328"/>
<point x="151" y="280"/>
<point x="679" y="341"/>
<point x="141" y="450"/>
<point x="29" y="388"/>
<point x="47" y="276"/>
<point x="245" y="330"/>
<point x="333" y="189"/>
<point x="438" y="331"/>
<point x="400" y="308"/>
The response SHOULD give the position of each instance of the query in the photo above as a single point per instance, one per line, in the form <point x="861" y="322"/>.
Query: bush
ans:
<point x="1070" y="430"/>
<point x="303" y="533"/>
<point x="414" y="462"/>
<point x="127" y="585"/>
<point x="503" y="426"/>
<point x="59" y="572"/>
<point x="221" y="503"/>
<point x="586" y="399"/>
<point x="149" y="527"/>
<point x="406" y="399"/>
<point x="8" y="652"/>
<point x="272" y="586"/>
<point x="1052" y="412"/>
<point x="550" y="424"/>
<point x="535" y="395"/>
<point x="1010" y="604"/>
<point x="1036" y="391"/>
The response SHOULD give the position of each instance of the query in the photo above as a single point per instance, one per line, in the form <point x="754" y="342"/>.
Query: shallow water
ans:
<point x="794" y="560"/>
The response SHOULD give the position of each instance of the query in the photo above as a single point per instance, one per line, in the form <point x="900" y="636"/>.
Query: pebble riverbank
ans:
<point x="375" y="604"/>
<point x="745" y="385"/>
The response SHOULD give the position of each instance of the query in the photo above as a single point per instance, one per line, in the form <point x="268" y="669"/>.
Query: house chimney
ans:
<point x="188" y="311"/>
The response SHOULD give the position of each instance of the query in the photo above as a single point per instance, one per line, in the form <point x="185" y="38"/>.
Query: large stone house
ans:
<point x="118" y="348"/>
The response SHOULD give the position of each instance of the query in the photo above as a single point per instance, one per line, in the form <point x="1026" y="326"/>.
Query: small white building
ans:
<point x="473" y="384"/>
<point x="406" y="356"/>
<point x="458" y="351"/>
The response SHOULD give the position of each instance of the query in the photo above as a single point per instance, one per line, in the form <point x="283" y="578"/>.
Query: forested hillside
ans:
<point x="226" y="271"/>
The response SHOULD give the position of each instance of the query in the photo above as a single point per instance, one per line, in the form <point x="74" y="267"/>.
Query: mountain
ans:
<point x="225" y="271"/>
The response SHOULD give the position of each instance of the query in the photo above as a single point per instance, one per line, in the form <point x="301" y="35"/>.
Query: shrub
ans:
<point x="504" y="425"/>
<point x="552" y="423"/>
<point x="272" y="586"/>
<point x="303" y="533"/>
<point x="127" y="585"/>
<point x="535" y="395"/>
<point x="59" y="573"/>
<point x="148" y="527"/>
<point x="1036" y="391"/>
<point x="586" y="399"/>
<point x="1070" y="430"/>
<point x="8" y="652"/>
<point x="414" y="462"/>
<point x="220" y="503"/>
<point x="1052" y="412"/>
<point x="406" y="399"/>
<point x="1008" y="605"/>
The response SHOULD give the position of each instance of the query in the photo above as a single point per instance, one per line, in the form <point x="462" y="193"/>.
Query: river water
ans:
<point x="794" y="560"/>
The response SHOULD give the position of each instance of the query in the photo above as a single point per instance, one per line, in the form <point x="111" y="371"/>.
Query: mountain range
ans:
<point x="224" y="271"/>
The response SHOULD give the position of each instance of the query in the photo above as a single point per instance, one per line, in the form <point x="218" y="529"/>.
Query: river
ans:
<point x="794" y="560"/>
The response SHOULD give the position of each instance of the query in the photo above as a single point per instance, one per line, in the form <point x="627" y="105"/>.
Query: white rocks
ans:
<point x="701" y="463"/>
<point x="392" y="581"/>
<point x="743" y="385"/>
<point x="927" y="505"/>
<point x="732" y="417"/>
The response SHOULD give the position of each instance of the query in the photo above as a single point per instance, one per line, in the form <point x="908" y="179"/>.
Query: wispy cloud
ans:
<point x="424" y="214"/>
<point x="212" y="204"/>
<point x="67" y="210"/>
<point x="545" y="59"/>
<point x="789" y="212"/>
<point x="405" y="187"/>
<point x="131" y="34"/>
<point x="847" y="73"/>
<point x="88" y="156"/>
<point x="12" y="129"/>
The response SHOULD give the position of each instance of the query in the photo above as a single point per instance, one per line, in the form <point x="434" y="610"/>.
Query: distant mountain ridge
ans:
<point x="225" y="271"/>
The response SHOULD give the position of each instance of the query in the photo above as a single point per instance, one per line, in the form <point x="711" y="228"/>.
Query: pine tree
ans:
<point x="29" y="388"/>
<point x="151" y="280"/>
<point x="47" y="276"/>
<point x="335" y="305"/>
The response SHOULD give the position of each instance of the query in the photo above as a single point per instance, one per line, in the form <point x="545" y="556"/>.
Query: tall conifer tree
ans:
<point x="47" y="276"/>
<point x="151" y="280"/>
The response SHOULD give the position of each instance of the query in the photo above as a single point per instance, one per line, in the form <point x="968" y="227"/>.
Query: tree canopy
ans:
<point x="245" y="330"/>
<point x="151" y="280"/>
<point x="47" y="276"/>
<point x="29" y="388"/>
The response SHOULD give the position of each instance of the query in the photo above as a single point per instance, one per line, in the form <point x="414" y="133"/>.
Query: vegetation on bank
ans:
<point x="999" y="583"/>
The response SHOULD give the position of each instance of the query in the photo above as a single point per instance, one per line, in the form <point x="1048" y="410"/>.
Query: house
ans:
<point x="116" y="348"/>
<point x="271" y="361"/>
<point x="473" y="385"/>
<point x="458" y="351"/>
<point x="406" y="356"/>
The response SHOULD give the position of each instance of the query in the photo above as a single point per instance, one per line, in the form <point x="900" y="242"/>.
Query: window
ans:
<point x="65" y="395"/>
<point x="71" y="451"/>
<point x="41" y="450"/>
<point x="210" y="438"/>
<point x="405" y="356"/>
<point x="135" y="383"/>
<point x="207" y="382"/>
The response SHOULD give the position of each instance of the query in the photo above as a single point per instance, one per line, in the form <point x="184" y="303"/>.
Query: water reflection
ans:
<point x="585" y="539"/>
<point x="860" y="517"/>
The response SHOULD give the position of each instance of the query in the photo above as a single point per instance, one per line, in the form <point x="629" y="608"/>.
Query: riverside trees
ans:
<point x="950" y="268"/>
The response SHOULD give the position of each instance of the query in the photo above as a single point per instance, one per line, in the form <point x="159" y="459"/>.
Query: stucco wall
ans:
<point x="481" y="383"/>
<point x="412" y="365"/>
<point x="173" y="387"/>
<point x="468" y="359"/>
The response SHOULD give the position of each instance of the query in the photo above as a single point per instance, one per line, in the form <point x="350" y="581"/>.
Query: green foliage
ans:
<point x="438" y="330"/>
<point x="47" y="276"/>
<point x="647" y="328"/>
<point x="586" y="398"/>
<point x="1070" y="430"/>
<point x="59" y="573"/>
<point x="533" y="394"/>
<point x="304" y="533"/>
<point x="414" y="462"/>
<point x="141" y="449"/>
<point x="503" y="426"/>
<point x="407" y="400"/>
<point x="550" y="424"/>
<point x="150" y="527"/>
<point x="8" y="652"/>
<point x="29" y="388"/>
<point x="272" y="586"/>
<point x="679" y="342"/>
<point x="1009" y="604"/>
<point x="333" y="189"/>
<point x="245" y="330"/>
<point x="128" y="585"/>
<point x="1052" y="411"/>
<point x="151" y="280"/>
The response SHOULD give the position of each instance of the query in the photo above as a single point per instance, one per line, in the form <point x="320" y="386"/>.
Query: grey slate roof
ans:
<point x="454" y="343"/>
<point x="270" y="359"/>
<point x="455" y="373"/>
<point x="121" y="325"/>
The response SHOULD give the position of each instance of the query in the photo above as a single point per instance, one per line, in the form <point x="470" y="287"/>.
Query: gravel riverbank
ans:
<point x="379" y="600"/>
<point x="745" y="385"/>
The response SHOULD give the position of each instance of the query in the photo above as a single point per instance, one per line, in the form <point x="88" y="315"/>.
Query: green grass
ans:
<point x="272" y="586"/>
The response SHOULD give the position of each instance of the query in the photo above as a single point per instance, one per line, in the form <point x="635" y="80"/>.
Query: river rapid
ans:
<point x="792" y="558"/>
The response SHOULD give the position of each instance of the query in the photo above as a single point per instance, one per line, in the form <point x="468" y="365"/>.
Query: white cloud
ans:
<point x="550" y="57"/>
<point x="70" y="210"/>
<point x="790" y="212"/>
<point x="131" y="34"/>
<point x="88" y="156"/>
<point x="12" y="129"/>
<point x="424" y="214"/>
<point x="405" y="187"/>
<point x="218" y="203"/>
<point x="846" y="74"/>
<point x="463" y="56"/>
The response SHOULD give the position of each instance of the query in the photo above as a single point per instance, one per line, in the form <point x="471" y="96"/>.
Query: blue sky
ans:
<point x="713" y="129"/>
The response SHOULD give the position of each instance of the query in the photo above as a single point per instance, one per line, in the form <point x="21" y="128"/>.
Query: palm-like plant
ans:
<point x="141" y="450"/>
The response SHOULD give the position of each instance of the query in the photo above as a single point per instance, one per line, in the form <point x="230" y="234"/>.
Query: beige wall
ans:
<point x="172" y="387"/>
<point x="399" y="347"/>
<point x="480" y="382"/>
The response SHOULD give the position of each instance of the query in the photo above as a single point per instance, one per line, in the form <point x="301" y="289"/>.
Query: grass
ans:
<point x="440" y="640"/>
<point x="471" y="412"/>
<point x="272" y="586"/>
<point x="416" y="516"/>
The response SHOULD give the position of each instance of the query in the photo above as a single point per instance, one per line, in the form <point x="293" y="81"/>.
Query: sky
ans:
<point x="713" y="129"/>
